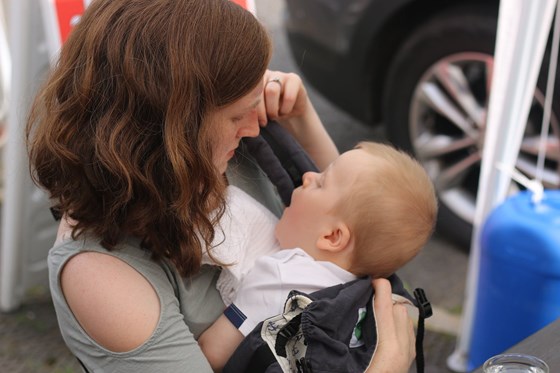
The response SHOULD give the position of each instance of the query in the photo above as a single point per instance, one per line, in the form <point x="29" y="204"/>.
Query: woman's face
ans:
<point x="233" y="122"/>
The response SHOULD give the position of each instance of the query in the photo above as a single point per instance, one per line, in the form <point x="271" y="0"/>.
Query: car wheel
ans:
<point x="436" y="100"/>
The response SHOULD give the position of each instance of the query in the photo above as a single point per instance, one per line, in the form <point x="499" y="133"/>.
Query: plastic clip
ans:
<point x="285" y="334"/>
<point x="423" y="303"/>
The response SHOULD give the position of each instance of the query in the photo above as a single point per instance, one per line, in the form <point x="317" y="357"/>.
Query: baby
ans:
<point x="369" y="213"/>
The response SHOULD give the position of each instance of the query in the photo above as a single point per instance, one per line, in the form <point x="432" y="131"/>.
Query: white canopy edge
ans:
<point x="523" y="29"/>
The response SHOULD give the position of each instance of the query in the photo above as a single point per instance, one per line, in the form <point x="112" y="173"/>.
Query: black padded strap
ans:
<point x="291" y="155"/>
<point x="272" y="167"/>
<point x="281" y="158"/>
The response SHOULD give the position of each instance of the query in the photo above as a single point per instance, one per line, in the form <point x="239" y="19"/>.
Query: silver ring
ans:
<point x="275" y="80"/>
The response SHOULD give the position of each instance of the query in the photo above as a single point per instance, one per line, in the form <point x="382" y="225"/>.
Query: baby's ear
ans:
<point x="334" y="239"/>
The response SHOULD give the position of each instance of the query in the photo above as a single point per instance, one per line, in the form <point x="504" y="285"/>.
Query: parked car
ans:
<point x="422" y="68"/>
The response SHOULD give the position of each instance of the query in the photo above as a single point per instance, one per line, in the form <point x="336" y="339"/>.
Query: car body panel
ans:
<point x="371" y="29"/>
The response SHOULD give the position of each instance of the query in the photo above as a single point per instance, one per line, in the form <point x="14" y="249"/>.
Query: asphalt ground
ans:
<point x="30" y="341"/>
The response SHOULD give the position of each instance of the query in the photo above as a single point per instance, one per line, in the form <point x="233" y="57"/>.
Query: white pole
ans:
<point x="15" y="159"/>
<point x="523" y="28"/>
<point x="5" y="65"/>
<point x="252" y="7"/>
<point x="52" y="28"/>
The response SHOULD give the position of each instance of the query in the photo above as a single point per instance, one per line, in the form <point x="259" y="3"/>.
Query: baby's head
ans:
<point x="370" y="211"/>
<point x="392" y="210"/>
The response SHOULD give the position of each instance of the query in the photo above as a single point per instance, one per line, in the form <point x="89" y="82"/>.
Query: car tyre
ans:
<point x="453" y="36"/>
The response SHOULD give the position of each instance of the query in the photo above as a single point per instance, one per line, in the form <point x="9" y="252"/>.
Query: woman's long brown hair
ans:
<point x="118" y="135"/>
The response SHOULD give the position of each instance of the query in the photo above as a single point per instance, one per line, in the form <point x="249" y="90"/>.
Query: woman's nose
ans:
<point x="250" y="127"/>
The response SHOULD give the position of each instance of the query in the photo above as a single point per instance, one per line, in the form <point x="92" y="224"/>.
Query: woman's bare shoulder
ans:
<point x="115" y="304"/>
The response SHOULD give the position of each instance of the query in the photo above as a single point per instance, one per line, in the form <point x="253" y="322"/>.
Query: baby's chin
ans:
<point x="286" y="235"/>
<point x="278" y="229"/>
<point x="283" y="244"/>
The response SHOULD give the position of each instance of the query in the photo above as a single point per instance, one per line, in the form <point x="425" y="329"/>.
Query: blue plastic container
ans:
<point x="519" y="282"/>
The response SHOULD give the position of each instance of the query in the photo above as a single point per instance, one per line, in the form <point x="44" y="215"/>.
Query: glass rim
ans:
<point x="517" y="358"/>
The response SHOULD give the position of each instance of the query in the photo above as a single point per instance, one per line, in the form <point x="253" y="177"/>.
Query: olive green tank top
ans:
<point x="188" y="307"/>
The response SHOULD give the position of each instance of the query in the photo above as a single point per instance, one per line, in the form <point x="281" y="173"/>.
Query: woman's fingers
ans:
<point x="404" y="330"/>
<point x="395" y="351"/>
<point x="383" y="302"/>
<point x="284" y="95"/>
<point x="293" y="90"/>
<point x="272" y="96"/>
<point x="261" y="112"/>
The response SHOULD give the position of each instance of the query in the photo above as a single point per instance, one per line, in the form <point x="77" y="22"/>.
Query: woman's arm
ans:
<point x="115" y="305"/>
<point x="119" y="309"/>
<point x="286" y="101"/>
<point x="395" y="349"/>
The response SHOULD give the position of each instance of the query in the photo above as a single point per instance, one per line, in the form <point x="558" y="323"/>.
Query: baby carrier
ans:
<point x="331" y="330"/>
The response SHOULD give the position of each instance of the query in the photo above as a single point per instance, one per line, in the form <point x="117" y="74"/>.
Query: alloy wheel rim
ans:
<point x="447" y="126"/>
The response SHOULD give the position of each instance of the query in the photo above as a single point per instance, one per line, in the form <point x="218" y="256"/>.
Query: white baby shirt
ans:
<point x="264" y="289"/>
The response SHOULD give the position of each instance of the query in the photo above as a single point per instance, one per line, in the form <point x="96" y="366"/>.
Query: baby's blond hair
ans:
<point x="391" y="211"/>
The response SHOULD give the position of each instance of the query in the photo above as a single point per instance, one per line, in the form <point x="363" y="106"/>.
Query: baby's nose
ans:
<point x="307" y="178"/>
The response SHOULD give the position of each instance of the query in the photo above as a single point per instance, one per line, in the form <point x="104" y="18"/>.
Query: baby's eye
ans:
<point x="236" y="119"/>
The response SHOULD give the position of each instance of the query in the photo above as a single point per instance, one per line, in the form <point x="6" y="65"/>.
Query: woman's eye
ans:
<point x="236" y="119"/>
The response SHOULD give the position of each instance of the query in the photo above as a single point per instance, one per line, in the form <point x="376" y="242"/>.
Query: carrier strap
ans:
<point x="424" y="311"/>
<point x="281" y="158"/>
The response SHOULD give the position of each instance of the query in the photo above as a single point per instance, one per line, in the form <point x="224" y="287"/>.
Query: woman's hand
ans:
<point x="285" y="100"/>
<point x="284" y="97"/>
<point x="395" y="347"/>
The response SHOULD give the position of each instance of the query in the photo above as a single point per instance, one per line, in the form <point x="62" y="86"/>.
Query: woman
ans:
<point x="131" y="136"/>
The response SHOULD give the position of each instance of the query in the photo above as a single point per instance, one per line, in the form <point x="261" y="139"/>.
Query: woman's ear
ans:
<point x="335" y="239"/>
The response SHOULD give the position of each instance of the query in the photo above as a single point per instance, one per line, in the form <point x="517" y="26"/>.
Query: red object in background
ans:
<point x="243" y="3"/>
<point x="67" y="12"/>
